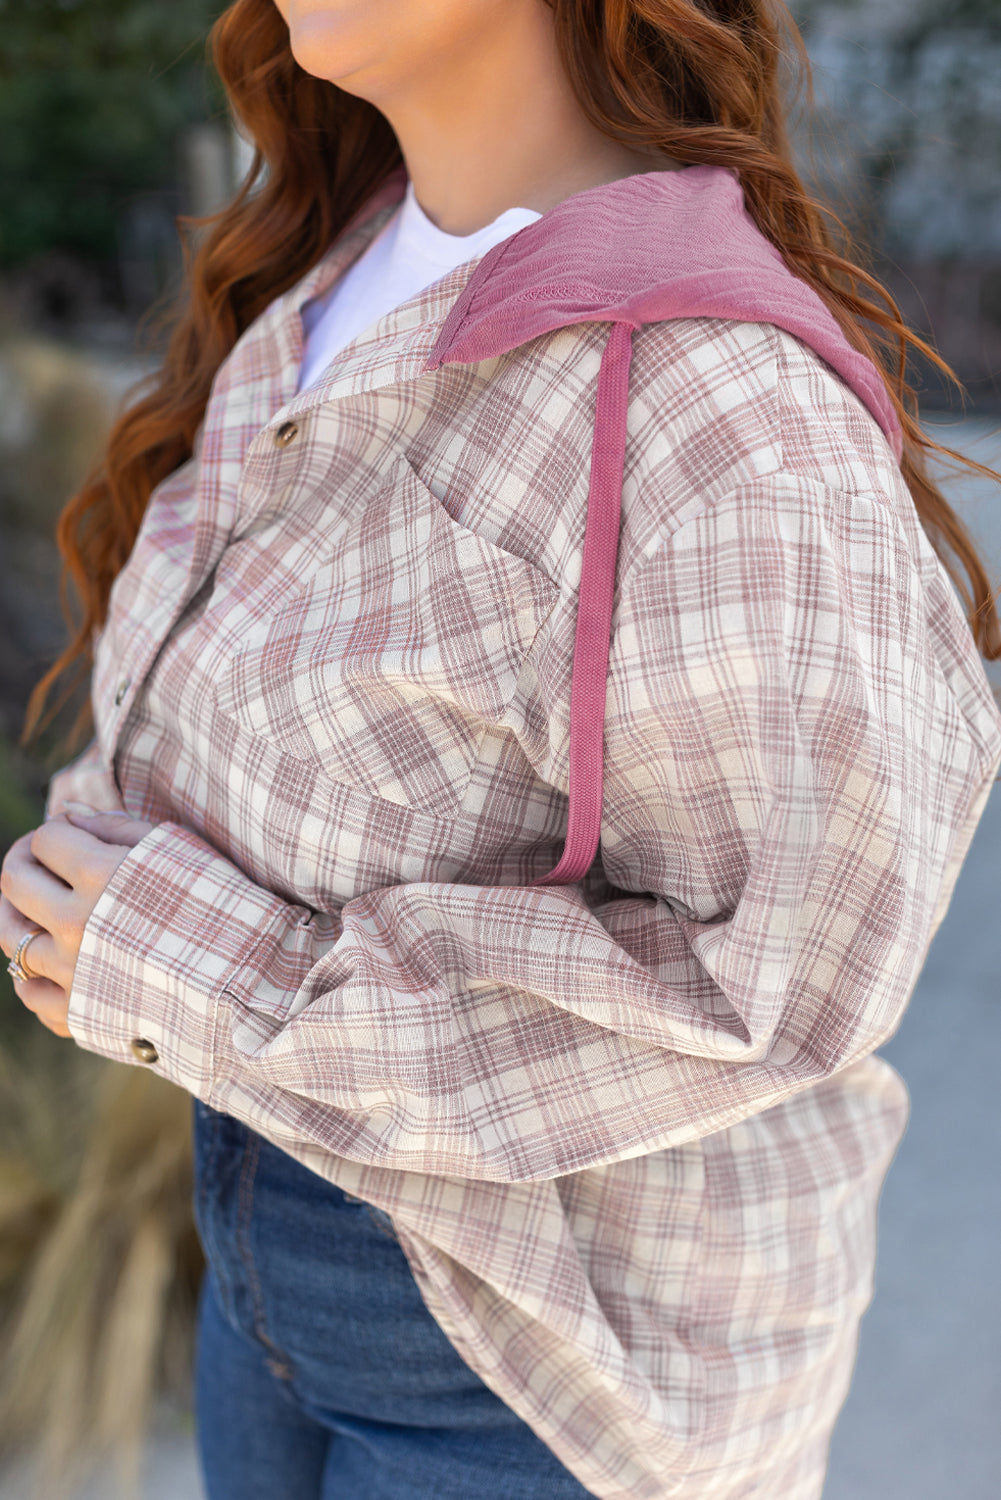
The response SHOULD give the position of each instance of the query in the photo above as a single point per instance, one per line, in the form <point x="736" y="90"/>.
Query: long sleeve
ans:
<point x="797" y="755"/>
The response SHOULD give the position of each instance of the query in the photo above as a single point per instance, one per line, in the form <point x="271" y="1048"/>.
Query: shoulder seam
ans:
<point x="875" y="497"/>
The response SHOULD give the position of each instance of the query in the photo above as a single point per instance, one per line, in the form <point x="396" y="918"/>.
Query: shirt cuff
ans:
<point x="174" y="923"/>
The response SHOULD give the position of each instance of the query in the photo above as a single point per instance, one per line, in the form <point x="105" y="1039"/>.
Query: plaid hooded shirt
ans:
<point x="603" y="536"/>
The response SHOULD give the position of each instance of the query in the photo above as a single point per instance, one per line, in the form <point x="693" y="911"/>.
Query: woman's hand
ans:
<point x="50" y="883"/>
<point x="86" y="784"/>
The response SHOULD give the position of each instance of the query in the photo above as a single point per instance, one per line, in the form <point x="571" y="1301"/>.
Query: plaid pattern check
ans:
<point x="631" y="1132"/>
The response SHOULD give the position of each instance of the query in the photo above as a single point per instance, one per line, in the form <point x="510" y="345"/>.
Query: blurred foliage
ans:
<point x="20" y="811"/>
<point x="56" y="404"/>
<point x="93" y="95"/>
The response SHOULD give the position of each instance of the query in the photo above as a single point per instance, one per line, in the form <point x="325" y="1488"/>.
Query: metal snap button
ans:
<point x="122" y="689"/>
<point x="144" y="1050"/>
<point x="287" y="433"/>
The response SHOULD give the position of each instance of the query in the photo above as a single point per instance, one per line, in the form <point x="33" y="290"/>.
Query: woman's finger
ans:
<point x="13" y="926"/>
<point x="110" y="827"/>
<point x="54" y="879"/>
<point x="19" y="847"/>
<point x="64" y="850"/>
<point x="77" y="856"/>
<point x="39" y="957"/>
<point x="48" y="1001"/>
<point x="42" y="958"/>
<point x="37" y="893"/>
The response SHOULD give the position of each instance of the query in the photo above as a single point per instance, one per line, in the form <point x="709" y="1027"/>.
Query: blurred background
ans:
<point x="110" y="126"/>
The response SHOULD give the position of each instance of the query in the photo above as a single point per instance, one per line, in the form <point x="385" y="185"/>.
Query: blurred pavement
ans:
<point x="921" y="1421"/>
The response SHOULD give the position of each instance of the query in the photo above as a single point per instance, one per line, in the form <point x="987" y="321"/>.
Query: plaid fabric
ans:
<point x="631" y="1132"/>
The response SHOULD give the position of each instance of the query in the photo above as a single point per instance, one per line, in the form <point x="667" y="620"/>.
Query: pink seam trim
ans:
<point x="589" y="682"/>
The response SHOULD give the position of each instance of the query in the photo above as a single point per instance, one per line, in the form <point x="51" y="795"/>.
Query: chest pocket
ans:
<point x="388" y="664"/>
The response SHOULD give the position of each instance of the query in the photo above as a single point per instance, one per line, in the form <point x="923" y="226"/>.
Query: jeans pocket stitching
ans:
<point x="277" y="1361"/>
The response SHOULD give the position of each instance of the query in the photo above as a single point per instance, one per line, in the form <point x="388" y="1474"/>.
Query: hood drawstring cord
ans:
<point x="594" y="612"/>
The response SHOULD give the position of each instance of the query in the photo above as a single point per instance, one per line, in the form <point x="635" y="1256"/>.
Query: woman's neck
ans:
<point x="478" y="97"/>
<point x="472" y="151"/>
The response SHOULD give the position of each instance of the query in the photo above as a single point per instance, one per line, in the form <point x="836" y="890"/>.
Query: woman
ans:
<point x="520" y="470"/>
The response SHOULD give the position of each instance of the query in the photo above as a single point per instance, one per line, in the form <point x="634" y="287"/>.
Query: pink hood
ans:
<point x="641" y="250"/>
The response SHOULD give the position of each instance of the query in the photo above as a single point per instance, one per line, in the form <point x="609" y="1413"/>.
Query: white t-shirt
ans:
<point x="408" y="254"/>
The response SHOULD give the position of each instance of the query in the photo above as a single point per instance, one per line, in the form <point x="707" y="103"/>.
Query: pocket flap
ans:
<point x="389" y="661"/>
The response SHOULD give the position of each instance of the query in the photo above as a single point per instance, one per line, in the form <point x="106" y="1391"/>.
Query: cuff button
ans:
<point x="144" y="1050"/>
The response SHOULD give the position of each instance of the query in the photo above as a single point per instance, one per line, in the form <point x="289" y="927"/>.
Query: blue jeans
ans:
<point x="320" y="1372"/>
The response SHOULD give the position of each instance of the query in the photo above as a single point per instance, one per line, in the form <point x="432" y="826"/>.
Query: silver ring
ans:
<point x="16" y="967"/>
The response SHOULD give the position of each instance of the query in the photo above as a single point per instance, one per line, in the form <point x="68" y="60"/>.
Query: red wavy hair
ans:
<point x="700" y="80"/>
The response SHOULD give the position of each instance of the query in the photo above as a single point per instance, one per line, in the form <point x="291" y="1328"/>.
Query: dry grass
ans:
<point x="99" y="1260"/>
<point x="55" y="408"/>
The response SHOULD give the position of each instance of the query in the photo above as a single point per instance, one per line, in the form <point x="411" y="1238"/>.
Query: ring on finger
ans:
<point x="17" y="967"/>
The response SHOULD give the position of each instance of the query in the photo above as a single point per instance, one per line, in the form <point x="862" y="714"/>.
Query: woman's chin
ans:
<point x="322" y="46"/>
